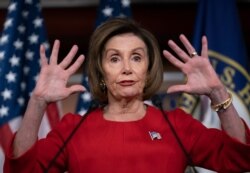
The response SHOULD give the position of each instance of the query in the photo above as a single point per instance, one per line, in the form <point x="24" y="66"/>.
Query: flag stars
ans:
<point x="86" y="96"/>
<point x="107" y="11"/>
<point x="39" y="7"/>
<point x="6" y="94"/>
<point x="21" y="101"/>
<point x="33" y="39"/>
<point x="125" y="3"/>
<point x="11" y="77"/>
<point x="4" y="111"/>
<point x="82" y="111"/>
<point x="12" y="7"/>
<point x="25" y="14"/>
<point x="14" y="61"/>
<point x="8" y="23"/>
<point x="30" y="93"/>
<point x="38" y="22"/>
<point x="36" y="78"/>
<point x="4" y="39"/>
<point x="28" y="1"/>
<point x="46" y="45"/>
<point x="21" y="29"/>
<point x="122" y="15"/>
<point x="2" y="54"/>
<point x="26" y="70"/>
<point x="18" y="44"/>
<point x="23" y="86"/>
<point x="29" y="55"/>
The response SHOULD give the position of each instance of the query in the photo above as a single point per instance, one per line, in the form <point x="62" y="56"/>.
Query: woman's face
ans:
<point x="125" y="64"/>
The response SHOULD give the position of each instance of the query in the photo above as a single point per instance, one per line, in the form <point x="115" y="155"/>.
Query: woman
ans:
<point x="125" y="134"/>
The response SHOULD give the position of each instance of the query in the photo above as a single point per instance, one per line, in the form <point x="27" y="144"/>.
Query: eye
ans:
<point x="114" y="59"/>
<point x="137" y="58"/>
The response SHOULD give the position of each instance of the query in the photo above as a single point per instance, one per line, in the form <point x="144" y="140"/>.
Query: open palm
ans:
<point x="200" y="75"/>
<point x="52" y="82"/>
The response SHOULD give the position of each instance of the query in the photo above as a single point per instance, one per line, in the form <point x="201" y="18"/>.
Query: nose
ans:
<point x="127" y="68"/>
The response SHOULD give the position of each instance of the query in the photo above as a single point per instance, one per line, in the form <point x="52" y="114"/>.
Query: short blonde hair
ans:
<point x="98" y="41"/>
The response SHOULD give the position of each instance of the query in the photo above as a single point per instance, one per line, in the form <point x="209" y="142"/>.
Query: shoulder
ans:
<point x="65" y="125"/>
<point x="179" y="114"/>
<point x="185" y="120"/>
<point x="70" y="121"/>
<point x="175" y="113"/>
<point x="178" y="117"/>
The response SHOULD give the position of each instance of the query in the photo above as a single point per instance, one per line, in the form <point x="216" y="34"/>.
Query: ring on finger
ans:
<point x="193" y="54"/>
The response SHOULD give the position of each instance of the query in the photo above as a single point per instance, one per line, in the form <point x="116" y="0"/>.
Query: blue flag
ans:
<point x="22" y="35"/>
<point x="219" y="21"/>
<point x="108" y="9"/>
<point x="19" y="56"/>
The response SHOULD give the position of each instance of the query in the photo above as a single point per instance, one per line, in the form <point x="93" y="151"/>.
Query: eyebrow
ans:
<point x="135" y="49"/>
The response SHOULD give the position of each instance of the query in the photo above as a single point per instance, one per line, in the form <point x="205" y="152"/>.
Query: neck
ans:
<point x="125" y="110"/>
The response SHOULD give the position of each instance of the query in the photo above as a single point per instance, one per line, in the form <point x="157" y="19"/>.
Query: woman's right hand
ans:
<point x="52" y="82"/>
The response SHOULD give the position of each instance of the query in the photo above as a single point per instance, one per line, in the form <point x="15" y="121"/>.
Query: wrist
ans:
<point x="218" y="95"/>
<point x="222" y="106"/>
<point x="220" y="98"/>
<point x="38" y="101"/>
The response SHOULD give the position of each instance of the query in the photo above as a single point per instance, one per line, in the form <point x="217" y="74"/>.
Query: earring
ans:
<point x="103" y="85"/>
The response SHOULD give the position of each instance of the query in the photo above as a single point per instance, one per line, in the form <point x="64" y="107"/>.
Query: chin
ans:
<point x="131" y="95"/>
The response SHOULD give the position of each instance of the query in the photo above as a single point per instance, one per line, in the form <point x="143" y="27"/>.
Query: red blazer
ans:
<point x="102" y="146"/>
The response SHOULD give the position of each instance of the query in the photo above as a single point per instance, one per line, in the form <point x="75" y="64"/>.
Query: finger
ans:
<point x="76" y="88"/>
<point x="44" y="60"/>
<point x="68" y="59"/>
<point x="187" y="44"/>
<point x="54" y="54"/>
<point x="182" y="54"/>
<point x="204" y="50"/>
<point x="72" y="69"/>
<point x="172" y="59"/>
<point x="177" y="88"/>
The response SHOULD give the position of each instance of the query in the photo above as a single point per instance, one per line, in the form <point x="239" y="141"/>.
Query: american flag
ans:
<point x="23" y="32"/>
<point x="108" y="9"/>
<point x="154" y="135"/>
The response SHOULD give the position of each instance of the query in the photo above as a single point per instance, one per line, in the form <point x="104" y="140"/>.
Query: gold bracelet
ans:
<point x="223" y="105"/>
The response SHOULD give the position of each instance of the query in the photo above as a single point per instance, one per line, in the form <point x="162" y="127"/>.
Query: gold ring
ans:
<point x="193" y="54"/>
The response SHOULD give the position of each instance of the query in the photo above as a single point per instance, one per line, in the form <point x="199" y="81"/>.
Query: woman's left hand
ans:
<point x="201" y="77"/>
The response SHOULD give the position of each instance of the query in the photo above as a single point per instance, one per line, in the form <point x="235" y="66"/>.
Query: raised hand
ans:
<point x="200" y="75"/>
<point x="52" y="82"/>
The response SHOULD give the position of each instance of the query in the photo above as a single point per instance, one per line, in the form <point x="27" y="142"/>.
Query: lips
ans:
<point x="127" y="82"/>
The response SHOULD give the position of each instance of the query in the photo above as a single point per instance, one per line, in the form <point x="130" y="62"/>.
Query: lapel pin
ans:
<point x="154" y="135"/>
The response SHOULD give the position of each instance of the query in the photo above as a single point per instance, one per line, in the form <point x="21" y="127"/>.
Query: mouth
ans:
<point x="127" y="82"/>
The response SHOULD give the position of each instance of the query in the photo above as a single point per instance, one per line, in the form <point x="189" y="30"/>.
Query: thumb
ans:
<point x="177" y="88"/>
<point x="76" y="88"/>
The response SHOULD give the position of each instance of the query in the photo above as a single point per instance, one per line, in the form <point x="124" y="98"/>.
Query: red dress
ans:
<point x="102" y="146"/>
